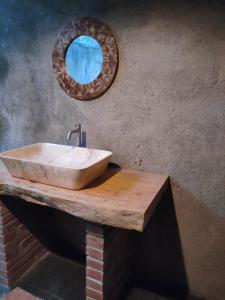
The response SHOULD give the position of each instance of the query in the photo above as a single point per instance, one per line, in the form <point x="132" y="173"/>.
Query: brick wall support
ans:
<point x="109" y="254"/>
<point x="20" y="248"/>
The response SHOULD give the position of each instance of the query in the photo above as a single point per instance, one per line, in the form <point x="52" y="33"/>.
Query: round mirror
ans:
<point x="84" y="59"/>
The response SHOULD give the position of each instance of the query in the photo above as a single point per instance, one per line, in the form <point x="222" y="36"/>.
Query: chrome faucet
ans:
<point x="77" y="129"/>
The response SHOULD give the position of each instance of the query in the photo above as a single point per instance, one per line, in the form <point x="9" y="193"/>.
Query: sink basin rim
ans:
<point x="6" y="155"/>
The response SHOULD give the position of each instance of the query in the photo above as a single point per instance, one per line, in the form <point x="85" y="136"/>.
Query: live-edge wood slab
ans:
<point x="121" y="197"/>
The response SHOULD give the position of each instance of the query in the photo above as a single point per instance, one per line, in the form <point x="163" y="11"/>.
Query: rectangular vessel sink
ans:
<point x="63" y="166"/>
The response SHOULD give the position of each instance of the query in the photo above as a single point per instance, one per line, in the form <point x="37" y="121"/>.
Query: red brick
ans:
<point x="17" y="233"/>
<point x="4" y="280"/>
<point x="3" y="209"/>
<point x="14" y="252"/>
<point x="19" y="261"/>
<point x="27" y="241"/>
<point x="3" y="266"/>
<point x="10" y="235"/>
<point x="94" y="284"/>
<point x="19" y="294"/>
<point x="94" y="294"/>
<point x="19" y="248"/>
<point x="92" y="273"/>
<point x="4" y="273"/>
<point x="108" y="262"/>
<point x="95" y="241"/>
<point x="9" y="245"/>
<point x="2" y="256"/>
<point x="11" y="225"/>
<point x="95" y="253"/>
<point x="7" y="218"/>
<point x="94" y="263"/>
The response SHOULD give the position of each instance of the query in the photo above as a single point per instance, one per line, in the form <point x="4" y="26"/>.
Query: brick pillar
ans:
<point x="108" y="262"/>
<point x="19" y="248"/>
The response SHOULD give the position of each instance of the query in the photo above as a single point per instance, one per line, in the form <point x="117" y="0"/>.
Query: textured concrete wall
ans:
<point x="165" y="111"/>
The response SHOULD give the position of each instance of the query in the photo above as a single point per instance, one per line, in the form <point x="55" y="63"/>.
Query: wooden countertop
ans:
<point x="121" y="197"/>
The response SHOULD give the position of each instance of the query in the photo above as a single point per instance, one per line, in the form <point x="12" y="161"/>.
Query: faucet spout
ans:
<point x="70" y="133"/>
<point x="77" y="129"/>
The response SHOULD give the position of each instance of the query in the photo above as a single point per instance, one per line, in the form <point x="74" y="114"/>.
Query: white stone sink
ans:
<point x="63" y="166"/>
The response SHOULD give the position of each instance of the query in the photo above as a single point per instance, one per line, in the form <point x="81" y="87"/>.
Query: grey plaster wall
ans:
<point x="164" y="113"/>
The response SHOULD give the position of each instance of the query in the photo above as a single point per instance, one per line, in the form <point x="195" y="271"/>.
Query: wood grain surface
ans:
<point x="121" y="197"/>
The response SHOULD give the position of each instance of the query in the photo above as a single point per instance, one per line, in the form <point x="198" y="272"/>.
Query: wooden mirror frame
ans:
<point x="103" y="34"/>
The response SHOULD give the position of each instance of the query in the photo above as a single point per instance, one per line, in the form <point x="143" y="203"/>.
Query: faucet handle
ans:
<point x="77" y="125"/>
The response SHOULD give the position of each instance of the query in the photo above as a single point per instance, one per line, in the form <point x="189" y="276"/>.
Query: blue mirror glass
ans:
<point x="84" y="59"/>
